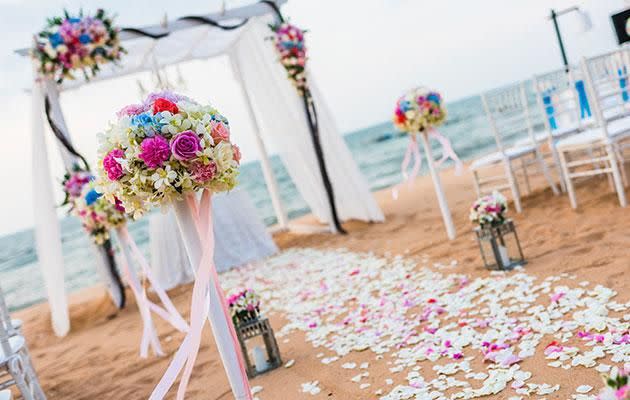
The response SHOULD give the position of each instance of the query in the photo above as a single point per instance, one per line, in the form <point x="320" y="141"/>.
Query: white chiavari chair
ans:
<point x="596" y="150"/>
<point x="16" y="368"/>
<point x="510" y="119"/>
<point x="560" y="105"/>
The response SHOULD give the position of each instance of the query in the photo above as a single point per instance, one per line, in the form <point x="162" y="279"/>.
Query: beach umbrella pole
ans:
<point x="439" y="190"/>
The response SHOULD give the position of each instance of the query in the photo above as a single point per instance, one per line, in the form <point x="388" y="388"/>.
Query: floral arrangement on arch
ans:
<point x="97" y="215"/>
<point x="617" y="385"/>
<point x="164" y="148"/>
<point x="244" y="306"/>
<point x="80" y="43"/>
<point x="289" y="43"/>
<point x="489" y="210"/>
<point x="419" y="110"/>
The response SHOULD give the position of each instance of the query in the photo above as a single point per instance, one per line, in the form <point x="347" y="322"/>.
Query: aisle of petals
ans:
<point x="474" y="332"/>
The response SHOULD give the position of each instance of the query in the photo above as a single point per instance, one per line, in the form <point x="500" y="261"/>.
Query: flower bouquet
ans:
<point x="72" y="43"/>
<point x="617" y="385"/>
<point x="289" y="43"/>
<point x="489" y="210"/>
<point x="160" y="150"/>
<point x="161" y="153"/>
<point x="244" y="306"/>
<point x="97" y="215"/>
<point x="419" y="110"/>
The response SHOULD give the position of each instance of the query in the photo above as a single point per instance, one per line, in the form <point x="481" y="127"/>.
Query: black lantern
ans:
<point x="499" y="245"/>
<point x="256" y="330"/>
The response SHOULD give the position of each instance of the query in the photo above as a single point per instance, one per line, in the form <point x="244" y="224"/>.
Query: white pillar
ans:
<point x="47" y="231"/>
<point x="270" y="179"/>
<point x="218" y="323"/>
<point x="439" y="191"/>
<point x="69" y="160"/>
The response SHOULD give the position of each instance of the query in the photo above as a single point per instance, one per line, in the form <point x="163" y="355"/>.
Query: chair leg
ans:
<point x="476" y="182"/>
<point x="545" y="171"/>
<point x="621" y="193"/>
<point x="556" y="160"/>
<point x="18" y="372"/>
<point x="568" y="182"/>
<point x="525" y="176"/>
<point x="622" y="165"/>
<point x="516" y="194"/>
<point x="32" y="375"/>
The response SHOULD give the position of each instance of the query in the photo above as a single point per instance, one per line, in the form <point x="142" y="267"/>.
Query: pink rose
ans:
<point x="155" y="151"/>
<point x="237" y="153"/>
<point x="203" y="172"/>
<point x="220" y="132"/>
<point x="112" y="167"/>
<point x="185" y="145"/>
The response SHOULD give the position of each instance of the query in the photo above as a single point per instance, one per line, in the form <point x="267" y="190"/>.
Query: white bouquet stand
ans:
<point x="439" y="190"/>
<point x="220" y="325"/>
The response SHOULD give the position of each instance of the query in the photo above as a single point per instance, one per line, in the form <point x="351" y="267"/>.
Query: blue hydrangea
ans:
<point x="55" y="39"/>
<point x="85" y="38"/>
<point x="91" y="197"/>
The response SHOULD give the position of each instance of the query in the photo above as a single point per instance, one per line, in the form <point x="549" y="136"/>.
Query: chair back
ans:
<point x="562" y="101"/>
<point x="6" y="326"/>
<point x="607" y="85"/>
<point x="508" y="112"/>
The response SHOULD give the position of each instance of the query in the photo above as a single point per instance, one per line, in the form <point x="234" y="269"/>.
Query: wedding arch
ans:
<point x="240" y="33"/>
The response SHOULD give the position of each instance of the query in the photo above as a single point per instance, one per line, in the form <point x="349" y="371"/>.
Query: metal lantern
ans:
<point x="253" y="330"/>
<point x="500" y="247"/>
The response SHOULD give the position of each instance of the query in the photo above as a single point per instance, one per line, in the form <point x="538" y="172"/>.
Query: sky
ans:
<point x="363" y="53"/>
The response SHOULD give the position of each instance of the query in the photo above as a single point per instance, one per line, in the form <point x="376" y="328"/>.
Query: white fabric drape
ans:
<point x="240" y="238"/>
<point x="169" y="260"/>
<point x="281" y="116"/>
<point x="47" y="232"/>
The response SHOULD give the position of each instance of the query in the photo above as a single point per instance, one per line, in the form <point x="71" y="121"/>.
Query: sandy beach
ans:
<point x="99" y="358"/>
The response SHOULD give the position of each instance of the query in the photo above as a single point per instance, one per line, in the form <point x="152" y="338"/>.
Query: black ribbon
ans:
<point x="313" y="125"/>
<point x="145" y="33"/>
<point x="275" y="9"/>
<point x="111" y="263"/>
<point x="62" y="137"/>
<point x="208" y="21"/>
<point x="311" y="116"/>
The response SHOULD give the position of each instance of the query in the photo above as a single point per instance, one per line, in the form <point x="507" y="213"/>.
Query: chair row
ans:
<point x="16" y="368"/>
<point x="585" y="113"/>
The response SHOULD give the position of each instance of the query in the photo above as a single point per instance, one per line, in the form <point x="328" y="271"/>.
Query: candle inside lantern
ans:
<point x="260" y="359"/>
<point x="505" y="257"/>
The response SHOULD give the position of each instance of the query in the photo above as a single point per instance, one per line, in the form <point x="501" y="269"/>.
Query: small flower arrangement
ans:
<point x="617" y="386"/>
<point x="97" y="215"/>
<point x="167" y="147"/>
<point x="70" y="43"/>
<point x="244" y="306"/>
<point x="289" y="43"/>
<point x="489" y="210"/>
<point x="419" y="110"/>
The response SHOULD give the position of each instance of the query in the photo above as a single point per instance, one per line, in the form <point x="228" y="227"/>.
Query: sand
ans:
<point x="99" y="358"/>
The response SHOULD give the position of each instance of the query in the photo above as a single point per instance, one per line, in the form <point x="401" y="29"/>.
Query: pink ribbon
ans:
<point x="169" y="313"/>
<point x="413" y="150"/>
<point x="447" y="151"/>
<point x="205" y="276"/>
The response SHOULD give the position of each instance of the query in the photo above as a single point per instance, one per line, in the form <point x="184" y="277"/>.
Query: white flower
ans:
<point x="223" y="156"/>
<point x="163" y="177"/>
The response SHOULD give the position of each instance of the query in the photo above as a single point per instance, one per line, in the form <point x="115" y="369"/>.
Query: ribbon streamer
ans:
<point x="413" y="151"/>
<point x="169" y="313"/>
<point x="206" y="279"/>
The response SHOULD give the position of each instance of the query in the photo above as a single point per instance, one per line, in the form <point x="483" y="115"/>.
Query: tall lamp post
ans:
<point x="585" y="25"/>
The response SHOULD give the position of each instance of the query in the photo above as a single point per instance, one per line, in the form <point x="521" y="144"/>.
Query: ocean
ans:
<point x="378" y="150"/>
